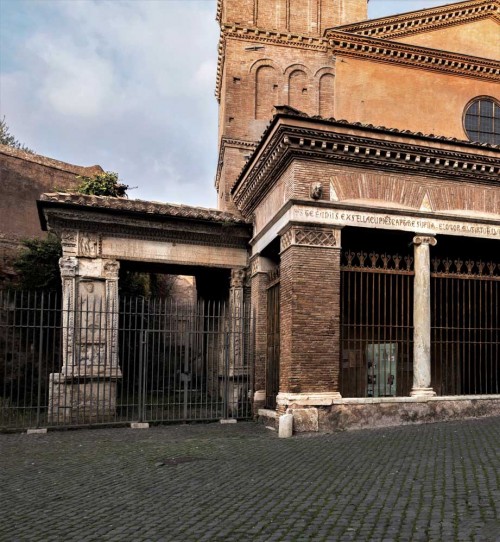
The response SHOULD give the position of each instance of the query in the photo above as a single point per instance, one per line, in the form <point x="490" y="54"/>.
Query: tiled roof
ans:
<point x="144" y="207"/>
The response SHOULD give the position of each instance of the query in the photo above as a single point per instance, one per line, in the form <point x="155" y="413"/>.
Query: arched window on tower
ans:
<point x="266" y="92"/>
<point x="297" y="90"/>
<point x="326" y="95"/>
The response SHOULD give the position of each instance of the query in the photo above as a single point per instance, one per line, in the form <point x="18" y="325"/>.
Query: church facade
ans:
<point x="359" y="204"/>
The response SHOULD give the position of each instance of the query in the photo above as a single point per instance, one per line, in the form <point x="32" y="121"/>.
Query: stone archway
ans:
<point x="97" y="233"/>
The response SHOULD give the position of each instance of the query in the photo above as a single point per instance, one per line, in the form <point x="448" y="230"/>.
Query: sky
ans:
<point x="126" y="84"/>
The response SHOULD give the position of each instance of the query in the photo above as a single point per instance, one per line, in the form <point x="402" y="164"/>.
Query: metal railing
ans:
<point x="376" y="325"/>
<point x="150" y="360"/>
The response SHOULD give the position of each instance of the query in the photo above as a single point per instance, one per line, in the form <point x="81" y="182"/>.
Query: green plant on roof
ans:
<point x="102" y="184"/>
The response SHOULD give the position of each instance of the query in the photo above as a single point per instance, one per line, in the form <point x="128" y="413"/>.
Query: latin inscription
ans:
<point x="350" y="218"/>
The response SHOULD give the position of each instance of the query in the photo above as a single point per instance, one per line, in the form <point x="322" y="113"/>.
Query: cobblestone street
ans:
<point x="240" y="482"/>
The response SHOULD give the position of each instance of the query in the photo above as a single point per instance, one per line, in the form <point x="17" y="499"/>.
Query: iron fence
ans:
<point x="151" y="360"/>
<point x="465" y="328"/>
<point x="376" y="325"/>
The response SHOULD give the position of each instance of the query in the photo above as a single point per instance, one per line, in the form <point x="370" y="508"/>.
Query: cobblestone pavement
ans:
<point x="240" y="482"/>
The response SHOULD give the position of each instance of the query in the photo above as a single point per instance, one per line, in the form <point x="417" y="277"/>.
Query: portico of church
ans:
<point x="320" y="192"/>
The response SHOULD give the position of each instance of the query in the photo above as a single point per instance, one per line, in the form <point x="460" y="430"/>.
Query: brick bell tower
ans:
<point x="271" y="52"/>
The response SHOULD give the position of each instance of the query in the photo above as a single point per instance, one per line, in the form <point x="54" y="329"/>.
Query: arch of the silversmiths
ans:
<point x="100" y="234"/>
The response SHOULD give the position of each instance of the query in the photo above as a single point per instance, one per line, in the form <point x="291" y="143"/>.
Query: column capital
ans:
<point x="110" y="269"/>
<point x="68" y="266"/>
<point x="237" y="278"/>
<point x="310" y="236"/>
<point x="425" y="240"/>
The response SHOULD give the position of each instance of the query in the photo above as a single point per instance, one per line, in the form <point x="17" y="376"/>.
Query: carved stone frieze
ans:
<point x="69" y="240"/>
<point x="88" y="244"/>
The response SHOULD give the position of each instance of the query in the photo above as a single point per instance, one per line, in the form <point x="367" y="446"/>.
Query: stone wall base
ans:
<point x="81" y="400"/>
<point x="348" y="414"/>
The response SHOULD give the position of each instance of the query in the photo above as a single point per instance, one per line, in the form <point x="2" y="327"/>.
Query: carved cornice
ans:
<point x="221" y="56"/>
<point x="234" y="143"/>
<point x="274" y="37"/>
<point x="218" y="14"/>
<point x="424" y="20"/>
<point x="379" y="50"/>
<point x="290" y="142"/>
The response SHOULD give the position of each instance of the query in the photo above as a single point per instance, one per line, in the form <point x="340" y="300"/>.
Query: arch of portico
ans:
<point x="307" y="181"/>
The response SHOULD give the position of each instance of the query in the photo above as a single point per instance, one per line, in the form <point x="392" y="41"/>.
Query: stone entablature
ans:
<point x="332" y="214"/>
<point x="114" y="228"/>
<point x="294" y="136"/>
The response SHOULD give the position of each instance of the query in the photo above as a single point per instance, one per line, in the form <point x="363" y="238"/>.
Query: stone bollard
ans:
<point x="285" y="426"/>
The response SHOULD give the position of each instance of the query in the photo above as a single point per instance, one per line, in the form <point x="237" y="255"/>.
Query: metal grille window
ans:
<point x="482" y="121"/>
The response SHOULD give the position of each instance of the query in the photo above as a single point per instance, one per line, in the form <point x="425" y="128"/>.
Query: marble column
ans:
<point x="422" y="318"/>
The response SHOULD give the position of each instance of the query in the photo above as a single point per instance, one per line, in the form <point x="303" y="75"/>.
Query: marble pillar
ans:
<point x="422" y="318"/>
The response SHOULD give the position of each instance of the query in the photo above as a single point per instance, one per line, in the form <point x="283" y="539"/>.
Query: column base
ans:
<point x="81" y="400"/>
<point x="422" y="392"/>
<point x="304" y="408"/>
<point x="307" y="399"/>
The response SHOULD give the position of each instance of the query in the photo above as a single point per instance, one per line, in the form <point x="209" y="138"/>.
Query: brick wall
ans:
<point x="309" y="17"/>
<point x="310" y="318"/>
<point x="23" y="177"/>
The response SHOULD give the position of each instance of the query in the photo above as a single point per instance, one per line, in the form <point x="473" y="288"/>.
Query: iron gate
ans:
<point x="178" y="362"/>
<point x="465" y="327"/>
<point x="273" y="339"/>
<point x="376" y="324"/>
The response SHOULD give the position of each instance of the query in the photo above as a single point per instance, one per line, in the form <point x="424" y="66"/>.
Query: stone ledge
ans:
<point x="378" y="400"/>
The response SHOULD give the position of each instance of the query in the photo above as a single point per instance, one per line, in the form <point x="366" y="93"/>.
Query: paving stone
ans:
<point x="438" y="482"/>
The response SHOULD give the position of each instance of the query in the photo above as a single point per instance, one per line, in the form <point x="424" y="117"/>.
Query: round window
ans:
<point x="482" y="121"/>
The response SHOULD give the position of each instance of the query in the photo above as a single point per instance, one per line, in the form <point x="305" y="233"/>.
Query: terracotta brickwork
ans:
<point x="293" y="52"/>
<point x="311" y="17"/>
<point x="309" y="311"/>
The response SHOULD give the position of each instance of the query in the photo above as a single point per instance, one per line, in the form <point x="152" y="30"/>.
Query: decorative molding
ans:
<point x="317" y="237"/>
<point x="425" y="20"/>
<point x="376" y="49"/>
